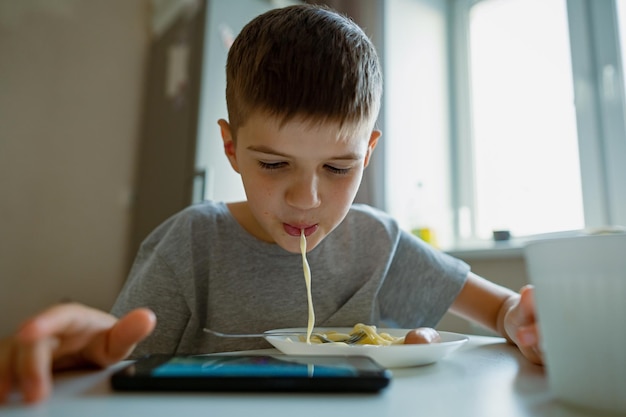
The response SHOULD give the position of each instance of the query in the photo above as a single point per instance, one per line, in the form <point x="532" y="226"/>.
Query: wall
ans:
<point x="70" y="92"/>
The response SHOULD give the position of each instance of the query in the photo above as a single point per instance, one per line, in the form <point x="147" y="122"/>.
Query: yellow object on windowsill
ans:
<point x="426" y="234"/>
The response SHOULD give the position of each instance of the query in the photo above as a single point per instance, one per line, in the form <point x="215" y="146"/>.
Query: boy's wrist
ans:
<point x="501" y="326"/>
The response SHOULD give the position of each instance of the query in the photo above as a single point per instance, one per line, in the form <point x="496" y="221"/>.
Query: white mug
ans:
<point x="580" y="292"/>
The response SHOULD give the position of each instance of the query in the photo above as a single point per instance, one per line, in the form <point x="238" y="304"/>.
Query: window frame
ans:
<point x="599" y="95"/>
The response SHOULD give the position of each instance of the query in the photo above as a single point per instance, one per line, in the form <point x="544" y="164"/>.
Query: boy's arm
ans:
<point x="66" y="336"/>
<point x="506" y="312"/>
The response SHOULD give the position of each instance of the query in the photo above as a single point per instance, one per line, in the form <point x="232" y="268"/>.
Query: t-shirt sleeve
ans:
<point x="153" y="284"/>
<point x="421" y="284"/>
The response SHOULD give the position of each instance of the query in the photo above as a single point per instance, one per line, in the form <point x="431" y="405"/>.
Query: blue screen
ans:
<point x="261" y="366"/>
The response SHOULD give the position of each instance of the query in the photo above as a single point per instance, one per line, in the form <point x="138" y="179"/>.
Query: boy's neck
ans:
<point x="243" y="215"/>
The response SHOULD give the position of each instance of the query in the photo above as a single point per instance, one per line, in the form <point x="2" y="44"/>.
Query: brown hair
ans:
<point x="303" y="61"/>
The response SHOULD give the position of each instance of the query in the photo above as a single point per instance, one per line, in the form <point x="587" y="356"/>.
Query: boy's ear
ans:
<point x="229" y="145"/>
<point x="371" y="145"/>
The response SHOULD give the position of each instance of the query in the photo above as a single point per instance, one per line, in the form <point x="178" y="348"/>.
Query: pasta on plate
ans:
<point x="371" y="336"/>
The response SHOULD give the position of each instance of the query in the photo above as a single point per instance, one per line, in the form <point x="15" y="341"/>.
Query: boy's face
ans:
<point x="296" y="176"/>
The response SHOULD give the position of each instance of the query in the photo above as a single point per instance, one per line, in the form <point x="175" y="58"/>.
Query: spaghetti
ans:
<point x="307" y="280"/>
<point x="372" y="336"/>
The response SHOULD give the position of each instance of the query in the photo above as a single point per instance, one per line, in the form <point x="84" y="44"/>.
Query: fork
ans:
<point x="351" y="340"/>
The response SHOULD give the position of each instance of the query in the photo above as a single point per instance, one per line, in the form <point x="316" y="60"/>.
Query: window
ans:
<point x="524" y="140"/>
<point x="417" y="125"/>
<point x="540" y="144"/>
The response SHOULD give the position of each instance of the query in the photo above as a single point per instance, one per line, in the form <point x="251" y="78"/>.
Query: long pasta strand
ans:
<point x="307" y="280"/>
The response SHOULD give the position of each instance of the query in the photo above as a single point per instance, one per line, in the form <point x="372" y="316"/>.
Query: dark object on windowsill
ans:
<point x="501" y="235"/>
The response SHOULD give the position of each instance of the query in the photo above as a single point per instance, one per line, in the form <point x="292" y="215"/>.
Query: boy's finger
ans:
<point x="528" y="303"/>
<point x="63" y="319"/>
<point x="6" y="372"/>
<point x="528" y="335"/>
<point x="118" y="342"/>
<point x="33" y="369"/>
<point x="533" y="354"/>
<point x="524" y="312"/>
<point x="130" y="330"/>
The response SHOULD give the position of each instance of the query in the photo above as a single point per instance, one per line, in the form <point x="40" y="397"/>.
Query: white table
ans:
<point x="485" y="378"/>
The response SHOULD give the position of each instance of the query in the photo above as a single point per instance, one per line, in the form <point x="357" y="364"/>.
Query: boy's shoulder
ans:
<point x="366" y="210"/>
<point x="205" y="210"/>
<point x="366" y="217"/>
<point x="196" y="216"/>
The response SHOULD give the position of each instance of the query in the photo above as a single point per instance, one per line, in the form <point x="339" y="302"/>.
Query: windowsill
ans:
<point x="513" y="248"/>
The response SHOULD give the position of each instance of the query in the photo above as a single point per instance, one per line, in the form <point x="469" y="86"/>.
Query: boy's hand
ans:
<point x="66" y="336"/>
<point x="521" y="325"/>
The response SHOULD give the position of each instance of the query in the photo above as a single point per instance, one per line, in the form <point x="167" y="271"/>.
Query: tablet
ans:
<point x="275" y="372"/>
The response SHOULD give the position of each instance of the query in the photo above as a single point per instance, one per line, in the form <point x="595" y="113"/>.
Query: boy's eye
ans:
<point x="278" y="165"/>
<point x="272" y="165"/>
<point x="335" y="170"/>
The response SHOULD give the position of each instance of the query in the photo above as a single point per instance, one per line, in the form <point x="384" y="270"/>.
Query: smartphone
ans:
<point x="275" y="372"/>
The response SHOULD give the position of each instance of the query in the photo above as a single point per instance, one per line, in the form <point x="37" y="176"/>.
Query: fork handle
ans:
<point x="245" y="335"/>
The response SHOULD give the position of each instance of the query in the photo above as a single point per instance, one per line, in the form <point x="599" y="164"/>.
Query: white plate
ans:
<point x="394" y="356"/>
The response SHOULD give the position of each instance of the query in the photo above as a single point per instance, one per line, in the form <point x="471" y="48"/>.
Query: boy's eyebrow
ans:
<point x="268" y="150"/>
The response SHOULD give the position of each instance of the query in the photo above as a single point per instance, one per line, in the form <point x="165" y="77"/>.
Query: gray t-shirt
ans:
<point x="202" y="269"/>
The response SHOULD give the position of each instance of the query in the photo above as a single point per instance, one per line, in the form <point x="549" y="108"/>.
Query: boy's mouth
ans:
<point x="297" y="230"/>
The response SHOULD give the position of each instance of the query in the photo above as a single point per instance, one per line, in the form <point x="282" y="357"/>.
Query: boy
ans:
<point x="303" y="92"/>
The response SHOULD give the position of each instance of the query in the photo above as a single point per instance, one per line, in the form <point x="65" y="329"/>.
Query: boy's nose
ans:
<point x="303" y="193"/>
